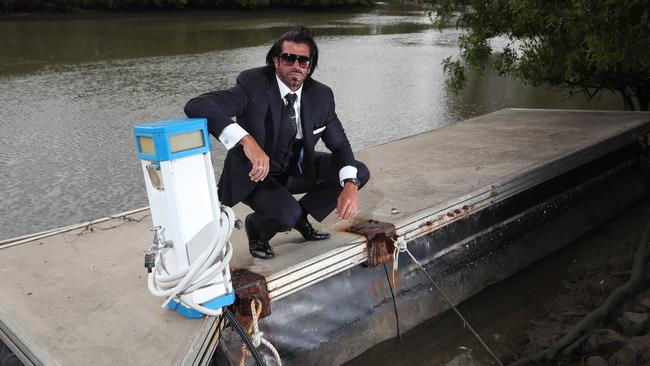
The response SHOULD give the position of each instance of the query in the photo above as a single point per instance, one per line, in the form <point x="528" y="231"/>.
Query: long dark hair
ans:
<point x="300" y="34"/>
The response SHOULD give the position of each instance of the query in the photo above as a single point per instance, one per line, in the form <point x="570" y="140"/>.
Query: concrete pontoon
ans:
<point x="476" y="202"/>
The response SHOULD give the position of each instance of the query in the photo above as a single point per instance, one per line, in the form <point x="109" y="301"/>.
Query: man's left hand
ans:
<point x="347" y="203"/>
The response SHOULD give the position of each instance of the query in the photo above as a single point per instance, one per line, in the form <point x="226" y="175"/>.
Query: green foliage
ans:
<point x="66" y="5"/>
<point x="581" y="45"/>
<point x="253" y="4"/>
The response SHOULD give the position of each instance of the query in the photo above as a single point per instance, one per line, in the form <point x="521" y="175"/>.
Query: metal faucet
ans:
<point x="159" y="243"/>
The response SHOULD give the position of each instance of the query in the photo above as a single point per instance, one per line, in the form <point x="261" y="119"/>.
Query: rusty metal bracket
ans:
<point x="249" y="286"/>
<point x="380" y="238"/>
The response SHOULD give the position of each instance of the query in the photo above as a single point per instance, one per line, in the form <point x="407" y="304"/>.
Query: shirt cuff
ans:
<point x="231" y="135"/>
<point x="346" y="172"/>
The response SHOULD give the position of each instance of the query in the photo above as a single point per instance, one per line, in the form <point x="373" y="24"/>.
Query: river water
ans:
<point x="71" y="91"/>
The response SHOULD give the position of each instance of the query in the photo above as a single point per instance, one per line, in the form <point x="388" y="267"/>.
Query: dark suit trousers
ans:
<point x="276" y="210"/>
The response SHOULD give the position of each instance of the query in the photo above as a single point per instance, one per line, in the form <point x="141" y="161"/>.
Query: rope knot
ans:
<point x="400" y="244"/>
<point x="400" y="247"/>
<point x="257" y="338"/>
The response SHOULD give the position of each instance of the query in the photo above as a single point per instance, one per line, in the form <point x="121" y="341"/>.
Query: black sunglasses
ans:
<point x="288" y="59"/>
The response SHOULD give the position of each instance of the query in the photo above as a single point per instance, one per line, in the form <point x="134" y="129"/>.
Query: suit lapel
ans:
<point x="306" y="114"/>
<point x="275" y="103"/>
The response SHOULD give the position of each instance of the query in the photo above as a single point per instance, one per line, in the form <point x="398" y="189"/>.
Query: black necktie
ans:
<point x="291" y="98"/>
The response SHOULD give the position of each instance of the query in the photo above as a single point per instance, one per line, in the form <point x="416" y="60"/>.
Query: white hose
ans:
<point x="216" y="258"/>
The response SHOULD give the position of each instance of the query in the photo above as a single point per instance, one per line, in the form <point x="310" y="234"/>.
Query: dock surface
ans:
<point x="80" y="296"/>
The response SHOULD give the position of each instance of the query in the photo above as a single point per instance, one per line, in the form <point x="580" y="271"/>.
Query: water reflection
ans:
<point x="33" y="45"/>
<point x="70" y="93"/>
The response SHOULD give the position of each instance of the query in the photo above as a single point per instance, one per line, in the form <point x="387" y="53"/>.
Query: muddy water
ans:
<point x="71" y="91"/>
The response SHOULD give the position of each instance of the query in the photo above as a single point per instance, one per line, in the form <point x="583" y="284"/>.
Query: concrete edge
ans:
<point x="21" y="344"/>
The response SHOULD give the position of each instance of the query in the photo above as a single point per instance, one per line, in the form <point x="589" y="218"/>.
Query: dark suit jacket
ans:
<point x="256" y="102"/>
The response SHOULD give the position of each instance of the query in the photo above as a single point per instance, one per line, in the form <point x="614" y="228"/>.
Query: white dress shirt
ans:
<point x="231" y="135"/>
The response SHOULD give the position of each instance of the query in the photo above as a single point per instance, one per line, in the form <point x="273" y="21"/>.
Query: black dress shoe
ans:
<point x="308" y="232"/>
<point x="258" y="247"/>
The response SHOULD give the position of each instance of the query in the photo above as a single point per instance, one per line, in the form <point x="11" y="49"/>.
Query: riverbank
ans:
<point x="214" y="11"/>
<point x="210" y="13"/>
<point x="602" y="264"/>
<point x="536" y="306"/>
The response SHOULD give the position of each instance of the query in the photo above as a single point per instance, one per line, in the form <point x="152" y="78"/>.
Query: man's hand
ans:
<point x="346" y="204"/>
<point x="257" y="157"/>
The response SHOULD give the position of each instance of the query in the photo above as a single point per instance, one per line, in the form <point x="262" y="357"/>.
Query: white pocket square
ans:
<point x="319" y="130"/>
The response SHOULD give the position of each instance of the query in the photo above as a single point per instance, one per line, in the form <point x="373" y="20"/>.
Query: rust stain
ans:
<point x="373" y="290"/>
<point x="248" y="286"/>
<point x="378" y="290"/>
<point x="446" y="218"/>
<point x="458" y="213"/>
<point x="380" y="238"/>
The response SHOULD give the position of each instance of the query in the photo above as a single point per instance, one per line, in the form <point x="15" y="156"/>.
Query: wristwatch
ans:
<point x="354" y="181"/>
